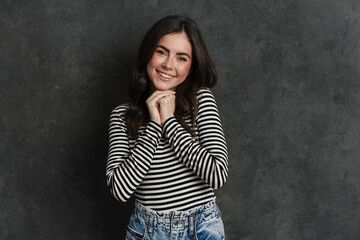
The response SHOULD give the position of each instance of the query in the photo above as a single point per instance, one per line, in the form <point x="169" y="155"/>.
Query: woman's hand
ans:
<point x="153" y="104"/>
<point x="167" y="107"/>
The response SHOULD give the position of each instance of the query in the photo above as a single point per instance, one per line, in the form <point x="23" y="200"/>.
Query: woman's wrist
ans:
<point x="166" y="118"/>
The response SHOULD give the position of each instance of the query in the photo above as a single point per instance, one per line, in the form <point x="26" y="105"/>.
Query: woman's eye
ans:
<point x="160" y="52"/>
<point x="182" y="59"/>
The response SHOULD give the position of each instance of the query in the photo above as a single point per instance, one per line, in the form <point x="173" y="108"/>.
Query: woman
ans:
<point x="167" y="146"/>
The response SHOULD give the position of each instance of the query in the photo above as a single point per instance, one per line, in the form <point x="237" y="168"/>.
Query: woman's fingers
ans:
<point x="167" y="107"/>
<point x="153" y="104"/>
<point x="159" y="94"/>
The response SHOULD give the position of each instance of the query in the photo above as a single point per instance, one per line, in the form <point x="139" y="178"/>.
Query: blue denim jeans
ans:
<point x="199" y="223"/>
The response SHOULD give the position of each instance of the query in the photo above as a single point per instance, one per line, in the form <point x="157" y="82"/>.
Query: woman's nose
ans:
<point x="167" y="64"/>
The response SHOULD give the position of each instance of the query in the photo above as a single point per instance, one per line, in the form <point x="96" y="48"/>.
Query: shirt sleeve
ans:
<point x="207" y="156"/>
<point x="126" y="167"/>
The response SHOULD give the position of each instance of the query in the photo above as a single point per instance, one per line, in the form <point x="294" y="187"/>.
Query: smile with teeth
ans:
<point x="165" y="75"/>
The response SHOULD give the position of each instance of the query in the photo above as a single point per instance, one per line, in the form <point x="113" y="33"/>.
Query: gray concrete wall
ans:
<point x="288" y="95"/>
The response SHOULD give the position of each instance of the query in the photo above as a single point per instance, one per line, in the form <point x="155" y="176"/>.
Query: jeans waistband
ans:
<point x="175" y="219"/>
<point x="168" y="214"/>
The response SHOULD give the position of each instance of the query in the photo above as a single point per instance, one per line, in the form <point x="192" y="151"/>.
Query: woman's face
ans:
<point x="171" y="62"/>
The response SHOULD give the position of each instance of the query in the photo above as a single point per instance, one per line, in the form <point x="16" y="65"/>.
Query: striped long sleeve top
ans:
<point x="166" y="168"/>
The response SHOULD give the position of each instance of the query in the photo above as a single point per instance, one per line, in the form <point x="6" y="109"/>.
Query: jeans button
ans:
<point x="178" y="222"/>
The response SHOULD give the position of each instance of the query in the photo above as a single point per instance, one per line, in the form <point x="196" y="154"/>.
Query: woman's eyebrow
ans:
<point x="183" y="54"/>
<point x="167" y="50"/>
<point x="161" y="46"/>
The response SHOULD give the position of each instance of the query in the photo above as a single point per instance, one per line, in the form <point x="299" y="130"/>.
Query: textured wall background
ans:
<point x="288" y="94"/>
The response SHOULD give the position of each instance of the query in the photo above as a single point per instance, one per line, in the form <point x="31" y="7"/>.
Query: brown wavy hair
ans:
<point x="202" y="74"/>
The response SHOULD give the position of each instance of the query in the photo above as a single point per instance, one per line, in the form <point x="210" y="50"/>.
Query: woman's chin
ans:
<point x="161" y="87"/>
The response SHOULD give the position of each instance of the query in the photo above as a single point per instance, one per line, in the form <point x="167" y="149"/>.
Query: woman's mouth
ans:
<point x="164" y="75"/>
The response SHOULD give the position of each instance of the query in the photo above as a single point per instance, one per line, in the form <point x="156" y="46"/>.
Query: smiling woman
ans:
<point x="167" y="146"/>
<point x="171" y="62"/>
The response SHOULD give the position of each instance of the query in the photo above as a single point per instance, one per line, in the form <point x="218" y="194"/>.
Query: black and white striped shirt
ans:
<point x="165" y="167"/>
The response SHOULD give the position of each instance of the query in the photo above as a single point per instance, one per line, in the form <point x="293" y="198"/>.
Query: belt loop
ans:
<point x="191" y="224"/>
<point x="150" y="225"/>
<point x="171" y="222"/>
